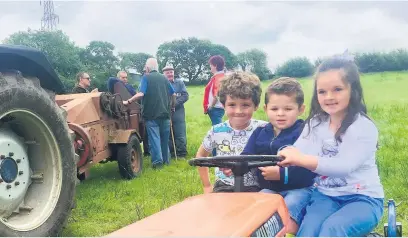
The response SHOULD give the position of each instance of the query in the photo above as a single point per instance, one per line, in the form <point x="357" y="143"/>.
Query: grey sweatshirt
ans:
<point x="348" y="167"/>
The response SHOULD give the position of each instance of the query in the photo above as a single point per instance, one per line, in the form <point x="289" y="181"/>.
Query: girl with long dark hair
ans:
<point x="339" y="143"/>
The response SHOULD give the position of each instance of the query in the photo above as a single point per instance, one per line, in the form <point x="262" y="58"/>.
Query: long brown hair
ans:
<point x="356" y="104"/>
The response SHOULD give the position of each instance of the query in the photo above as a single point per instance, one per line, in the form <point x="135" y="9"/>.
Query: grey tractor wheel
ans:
<point x="37" y="164"/>
<point x="129" y="157"/>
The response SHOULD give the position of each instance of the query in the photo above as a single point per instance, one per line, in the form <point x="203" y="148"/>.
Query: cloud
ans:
<point x="282" y="29"/>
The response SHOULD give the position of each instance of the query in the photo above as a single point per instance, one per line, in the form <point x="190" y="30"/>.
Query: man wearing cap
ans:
<point x="178" y="117"/>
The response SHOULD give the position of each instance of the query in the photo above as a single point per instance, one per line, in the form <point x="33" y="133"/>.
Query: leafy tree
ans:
<point x="60" y="51"/>
<point x="297" y="67"/>
<point x="99" y="55"/>
<point x="100" y="61"/>
<point x="133" y="60"/>
<point x="231" y="60"/>
<point x="256" y="61"/>
<point x="378" y="61"/>
<point x="190" y="57"/>
<point x="251" y="59"/>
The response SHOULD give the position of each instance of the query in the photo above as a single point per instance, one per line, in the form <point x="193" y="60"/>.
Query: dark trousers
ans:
<point x="143" y="133"/>
<point x="179" y="130"/>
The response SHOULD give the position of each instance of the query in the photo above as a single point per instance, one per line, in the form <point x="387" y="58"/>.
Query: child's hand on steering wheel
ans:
<point x="291" y="157"/>
<point x="270" y="172"/>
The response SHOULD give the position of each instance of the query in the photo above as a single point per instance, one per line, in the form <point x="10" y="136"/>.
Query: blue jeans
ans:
<point x="350" y="215"/>
<point x="158" y="132"/>
<point x="296" y="201"/>
<point x="216" y="115"/>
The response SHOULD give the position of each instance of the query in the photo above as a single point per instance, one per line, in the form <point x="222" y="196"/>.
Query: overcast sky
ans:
<point x="282" y="29"/>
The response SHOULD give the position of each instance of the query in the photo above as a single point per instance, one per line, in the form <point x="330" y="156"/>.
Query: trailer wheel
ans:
<point x="129" y="156"/>
<point x="37" y="163"/>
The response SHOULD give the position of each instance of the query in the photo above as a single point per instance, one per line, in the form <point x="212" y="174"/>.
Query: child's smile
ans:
<point x="331" y="104"/>
<point x="333" y="94"/>
<point x="239" y="111"/>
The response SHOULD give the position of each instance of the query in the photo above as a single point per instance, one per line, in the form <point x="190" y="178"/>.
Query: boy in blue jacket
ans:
<point x="283" y="104"/>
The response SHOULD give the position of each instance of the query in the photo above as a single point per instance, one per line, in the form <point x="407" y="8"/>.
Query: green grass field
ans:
<point x="106" y="203"/>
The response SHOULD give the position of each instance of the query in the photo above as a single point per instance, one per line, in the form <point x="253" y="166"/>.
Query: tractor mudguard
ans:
<point x="30" y="61"/>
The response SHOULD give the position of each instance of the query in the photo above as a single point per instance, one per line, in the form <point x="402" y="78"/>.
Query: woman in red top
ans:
<point x="212" y="105"/>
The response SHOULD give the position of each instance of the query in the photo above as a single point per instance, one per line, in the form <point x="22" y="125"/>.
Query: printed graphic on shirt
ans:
<point x="330" y="182"/>
<point x="330" y="149"/>
<point x="227" y="142"/>
<point x="225" y="148"/>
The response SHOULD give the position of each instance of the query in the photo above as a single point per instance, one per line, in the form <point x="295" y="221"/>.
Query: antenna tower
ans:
<point x="50" y="19"/>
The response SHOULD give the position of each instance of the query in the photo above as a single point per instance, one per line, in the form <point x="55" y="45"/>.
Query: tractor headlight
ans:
<point x="270" y="228"/>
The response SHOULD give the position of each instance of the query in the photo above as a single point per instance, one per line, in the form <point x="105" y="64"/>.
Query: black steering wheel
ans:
<point x="239" y="164"/>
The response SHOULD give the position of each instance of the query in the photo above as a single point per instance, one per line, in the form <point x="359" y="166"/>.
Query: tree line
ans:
<point x="395" y="60"/>
<point x="189" y="57"/>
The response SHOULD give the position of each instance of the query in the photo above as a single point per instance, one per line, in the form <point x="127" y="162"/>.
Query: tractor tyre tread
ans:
<point x="19" y="92"/>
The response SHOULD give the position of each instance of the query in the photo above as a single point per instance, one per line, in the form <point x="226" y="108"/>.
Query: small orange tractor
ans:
<point x="219" y="214"/>
<point x="235" y="214"/>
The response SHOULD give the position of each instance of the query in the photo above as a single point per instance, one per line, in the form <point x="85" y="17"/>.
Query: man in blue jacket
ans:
<point x="122" y="77"/>
<point x="178" y="117"/>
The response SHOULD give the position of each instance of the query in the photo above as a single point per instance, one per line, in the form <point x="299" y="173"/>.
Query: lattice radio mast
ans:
<point x="50" y="19"/>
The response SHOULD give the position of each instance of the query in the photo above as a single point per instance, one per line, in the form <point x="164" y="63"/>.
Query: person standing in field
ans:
<point x="178" y="117"/>
<point x="158" y="101"/>
<point x="212" y="105"/>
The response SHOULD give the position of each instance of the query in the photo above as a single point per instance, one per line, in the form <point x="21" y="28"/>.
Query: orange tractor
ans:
<point x="235" y="214"/>
<point x="238" y="214"/>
